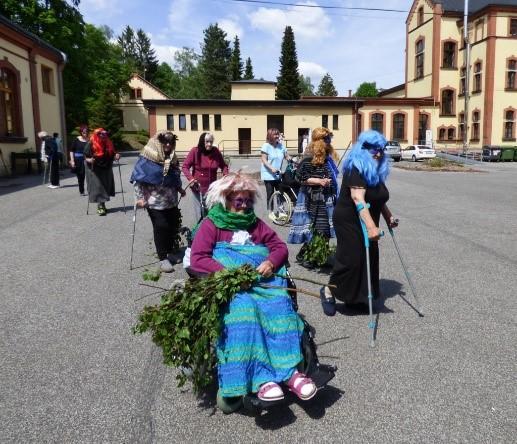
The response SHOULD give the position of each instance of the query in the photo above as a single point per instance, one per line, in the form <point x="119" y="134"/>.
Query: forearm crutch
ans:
<point x="121" y="187"/>
<point x="371" y="324"/>
<point x="408" y="277"/>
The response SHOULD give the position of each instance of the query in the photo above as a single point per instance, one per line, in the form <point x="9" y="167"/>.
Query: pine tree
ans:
<point x="288" y="82"/>
<point x="306" y="86"/>
<point x="126" y="41"/>
<point x="236" y="62"/>
<point x="146" y="60"/>
<point x="215" y="62"/>
<point x="248" y="71"/>
<point x="326" y="87"/>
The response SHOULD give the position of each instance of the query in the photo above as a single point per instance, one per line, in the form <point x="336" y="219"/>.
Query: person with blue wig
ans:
<point x="157" y="182"/>
<point x="363" y="196"/>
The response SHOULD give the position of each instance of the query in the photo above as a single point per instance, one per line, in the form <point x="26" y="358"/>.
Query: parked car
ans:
<point x="393" y="150"/>
<point x="418" y="152"/>
<point x="491" y="153"/>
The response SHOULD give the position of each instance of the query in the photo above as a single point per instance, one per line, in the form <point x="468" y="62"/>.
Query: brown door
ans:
<point x="244" y="140"/>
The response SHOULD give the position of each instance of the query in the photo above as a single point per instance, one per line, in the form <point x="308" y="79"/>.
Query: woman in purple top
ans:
<point x="260" y="343"/>
<point x="200" y="168"/>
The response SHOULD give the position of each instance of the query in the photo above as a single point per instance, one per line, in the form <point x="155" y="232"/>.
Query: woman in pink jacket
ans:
<point x="200" y="167"/>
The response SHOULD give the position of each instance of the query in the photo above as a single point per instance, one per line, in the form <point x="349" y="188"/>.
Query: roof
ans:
<point x="151" y="85"/>
<point x="474" y="5"/>
<point x="392" y="90"/>
<point x="253" y="81"/>
<point x="330" y="102"/>
<point x="33" y="37"/>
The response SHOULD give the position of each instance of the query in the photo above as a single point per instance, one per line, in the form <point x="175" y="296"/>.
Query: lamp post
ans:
<point x="467" y="77"/>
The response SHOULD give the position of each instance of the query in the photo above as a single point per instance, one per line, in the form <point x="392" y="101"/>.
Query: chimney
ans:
<point x="349" y="93"/>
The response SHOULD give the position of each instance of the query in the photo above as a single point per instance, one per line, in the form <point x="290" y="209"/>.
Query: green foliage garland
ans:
<point x="187" y="322"/>
<point x="318" y="250"/>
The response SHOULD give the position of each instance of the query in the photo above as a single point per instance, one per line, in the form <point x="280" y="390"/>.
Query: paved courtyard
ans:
<point x="72" y="371"/>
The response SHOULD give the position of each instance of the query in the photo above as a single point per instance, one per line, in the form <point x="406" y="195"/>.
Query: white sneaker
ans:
<point x="53" y="187"/>
<point x="166" y="266"/>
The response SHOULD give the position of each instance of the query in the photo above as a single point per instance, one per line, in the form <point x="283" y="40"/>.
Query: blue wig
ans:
<point x="374" y="171"/>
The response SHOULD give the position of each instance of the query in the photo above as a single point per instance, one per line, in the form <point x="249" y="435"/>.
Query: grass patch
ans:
<point x="438" y="162"/>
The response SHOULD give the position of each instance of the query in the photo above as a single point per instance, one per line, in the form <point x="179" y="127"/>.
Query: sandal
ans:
<point x="302" y="386"/>
<point x="270" y="391"/>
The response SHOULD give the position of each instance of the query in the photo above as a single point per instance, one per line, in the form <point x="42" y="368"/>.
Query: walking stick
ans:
<point x="133" y="237"/>
<point x="408" y="277"/>
<point x="121" y="187"/>
<point x="45" y="172"/>
<point x="371" y="324"/>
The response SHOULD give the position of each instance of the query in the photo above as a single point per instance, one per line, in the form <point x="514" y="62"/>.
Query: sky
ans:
<point x="353" y="46"/>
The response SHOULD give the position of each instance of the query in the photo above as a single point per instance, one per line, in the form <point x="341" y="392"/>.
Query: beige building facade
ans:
<point x="31" y="91"/>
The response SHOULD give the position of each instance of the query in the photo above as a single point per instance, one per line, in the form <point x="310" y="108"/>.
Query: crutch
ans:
<point x="408" y="277"/>
<point x="133" y="237"/>
<point x="121" y="187"/>
<point x="371" y="324"/>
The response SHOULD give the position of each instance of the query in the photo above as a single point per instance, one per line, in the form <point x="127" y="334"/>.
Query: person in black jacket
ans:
<point x="50" y="154"/>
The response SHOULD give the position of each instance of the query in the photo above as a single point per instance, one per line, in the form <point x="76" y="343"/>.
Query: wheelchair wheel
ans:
<point x="228" y="405"/>
<point x="279" y="208"/>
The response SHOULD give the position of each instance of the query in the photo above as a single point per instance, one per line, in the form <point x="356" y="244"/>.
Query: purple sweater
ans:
<point x="203" y="167"/>
<point x="208" y="235"/>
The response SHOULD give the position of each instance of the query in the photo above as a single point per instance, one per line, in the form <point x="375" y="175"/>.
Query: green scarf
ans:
<point x="226" y="220"/>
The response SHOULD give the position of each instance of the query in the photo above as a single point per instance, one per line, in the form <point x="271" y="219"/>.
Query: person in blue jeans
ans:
<point x="272" y="155"/>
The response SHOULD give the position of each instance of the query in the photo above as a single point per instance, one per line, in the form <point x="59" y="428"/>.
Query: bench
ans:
<point x="29" y="155"/>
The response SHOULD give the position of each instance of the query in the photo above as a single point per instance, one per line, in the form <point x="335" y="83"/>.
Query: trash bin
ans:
<point x="515" y="154"/>
<point x="491" y="153"/>
<point x="507" y="154"/>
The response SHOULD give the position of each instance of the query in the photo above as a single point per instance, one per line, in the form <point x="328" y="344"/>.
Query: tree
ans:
<point x="248" y="71"/>
<point x="326" y="87"/>
<point x="306" y="86"/>
<point x="126" y="41"/>
<point x="236" y="62"/>
<point x="168" y="80"/>
<point x="214" y="64"/>
<point x="146" y="60"/>
<point x="186" y="65"/>
<point x="288" y="82"/>
<point x="367" y="89"/>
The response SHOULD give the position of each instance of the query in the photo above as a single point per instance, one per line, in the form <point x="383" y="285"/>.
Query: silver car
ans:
<point x="393" y="150"/>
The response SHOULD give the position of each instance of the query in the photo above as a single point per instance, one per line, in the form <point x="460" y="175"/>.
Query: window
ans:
<point x="47" y="79"/>
<point x="461" y="126"/>
<point x="449" y="55"/>
<point x="441" y="134"/>
<point x="193" y="122"/>
<point x="463" y="73"/>
<point x="419" y="59"/>
<point x="335" y="122"/>
<point x="170" y="122"/>
<point x="451" y="133"/>
<point x="325" y="121"/>
<point x="513" y="26"/>
<point x="475" y="126"/>
<point x="217" y="122"/>
<point x="420" y="18"/>
<point x="447" y="103"/>
<point x="478" y="33"/>
<point x="377" y="122"/>
<point x="206" y="122"/>
<point x="182" y="125"/>
<point x="135" y="93"/>
<point x="399" y="123"/>
<point x="511" y="74"/>
<point x="9" y="111"/>
<point x="477" y="78"/>
<point x="423" y="126"/>
<point x="509" y="125"/>
<point x="359" y="123"/>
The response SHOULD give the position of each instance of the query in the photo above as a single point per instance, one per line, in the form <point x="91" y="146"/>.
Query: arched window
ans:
<point x="419" y="59"/>
<point x="398" y="127"/>
<point x="463" y="73"/>
<point x="509" y="124"/>
<point x="10" y="121"/>
<point x="461" y="126"/>
<point x="451" y="132"/>
<point x="377" y="122"/>
<point x="447" y="103"/>
<point x="449" y="55"/>
<point x="475" y="125"/>
<point x="441" y="134"/>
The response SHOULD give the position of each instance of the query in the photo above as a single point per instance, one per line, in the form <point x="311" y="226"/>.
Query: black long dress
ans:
<point x="349" y="273"/>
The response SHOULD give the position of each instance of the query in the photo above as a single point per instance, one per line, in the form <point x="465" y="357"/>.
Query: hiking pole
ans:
<point x="133" y="238"/>
<point x="408" y="277"/>
<point x="121" y="187"/>
<point x="371" y="324"/>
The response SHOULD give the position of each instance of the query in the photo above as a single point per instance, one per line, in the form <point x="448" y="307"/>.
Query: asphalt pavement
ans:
<point x="72" y="371"/>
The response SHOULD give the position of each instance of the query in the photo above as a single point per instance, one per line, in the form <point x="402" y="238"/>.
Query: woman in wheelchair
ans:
<point x="260" y="344"/>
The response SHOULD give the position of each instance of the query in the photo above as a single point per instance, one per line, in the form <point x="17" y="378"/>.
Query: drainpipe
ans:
<point x="64" y="135"/>
<point x="467" y="77"/>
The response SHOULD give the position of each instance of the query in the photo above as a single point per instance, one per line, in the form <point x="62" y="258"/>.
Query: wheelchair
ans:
<point x="282" y="201"/>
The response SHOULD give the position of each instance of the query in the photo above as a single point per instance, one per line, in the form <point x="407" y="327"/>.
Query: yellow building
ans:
<point x="31" y="91"/>
<point x="427" y="108"/>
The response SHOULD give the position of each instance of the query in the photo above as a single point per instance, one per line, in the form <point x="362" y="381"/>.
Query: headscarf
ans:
<point x="153" y="150"/>
<point x="101" y="147"/>
<point x="373" y="171"/>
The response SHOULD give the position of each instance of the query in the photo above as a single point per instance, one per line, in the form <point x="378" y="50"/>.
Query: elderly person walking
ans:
<point x="200" y="168"/>
<point x="364" y="175"/>
<point x="77" y="156"/>
<point x="157" y="182"/>
<point x="50" y="155"/>
<point x="99" y="154"/>
<point x="260" y="343"/>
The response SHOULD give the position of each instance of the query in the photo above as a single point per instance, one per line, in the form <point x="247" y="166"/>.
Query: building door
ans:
<point x="422" y="127"/>
<point x="303" y="133"/>
<point x="275" y="121"/>
<point x="244" y="140"/>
